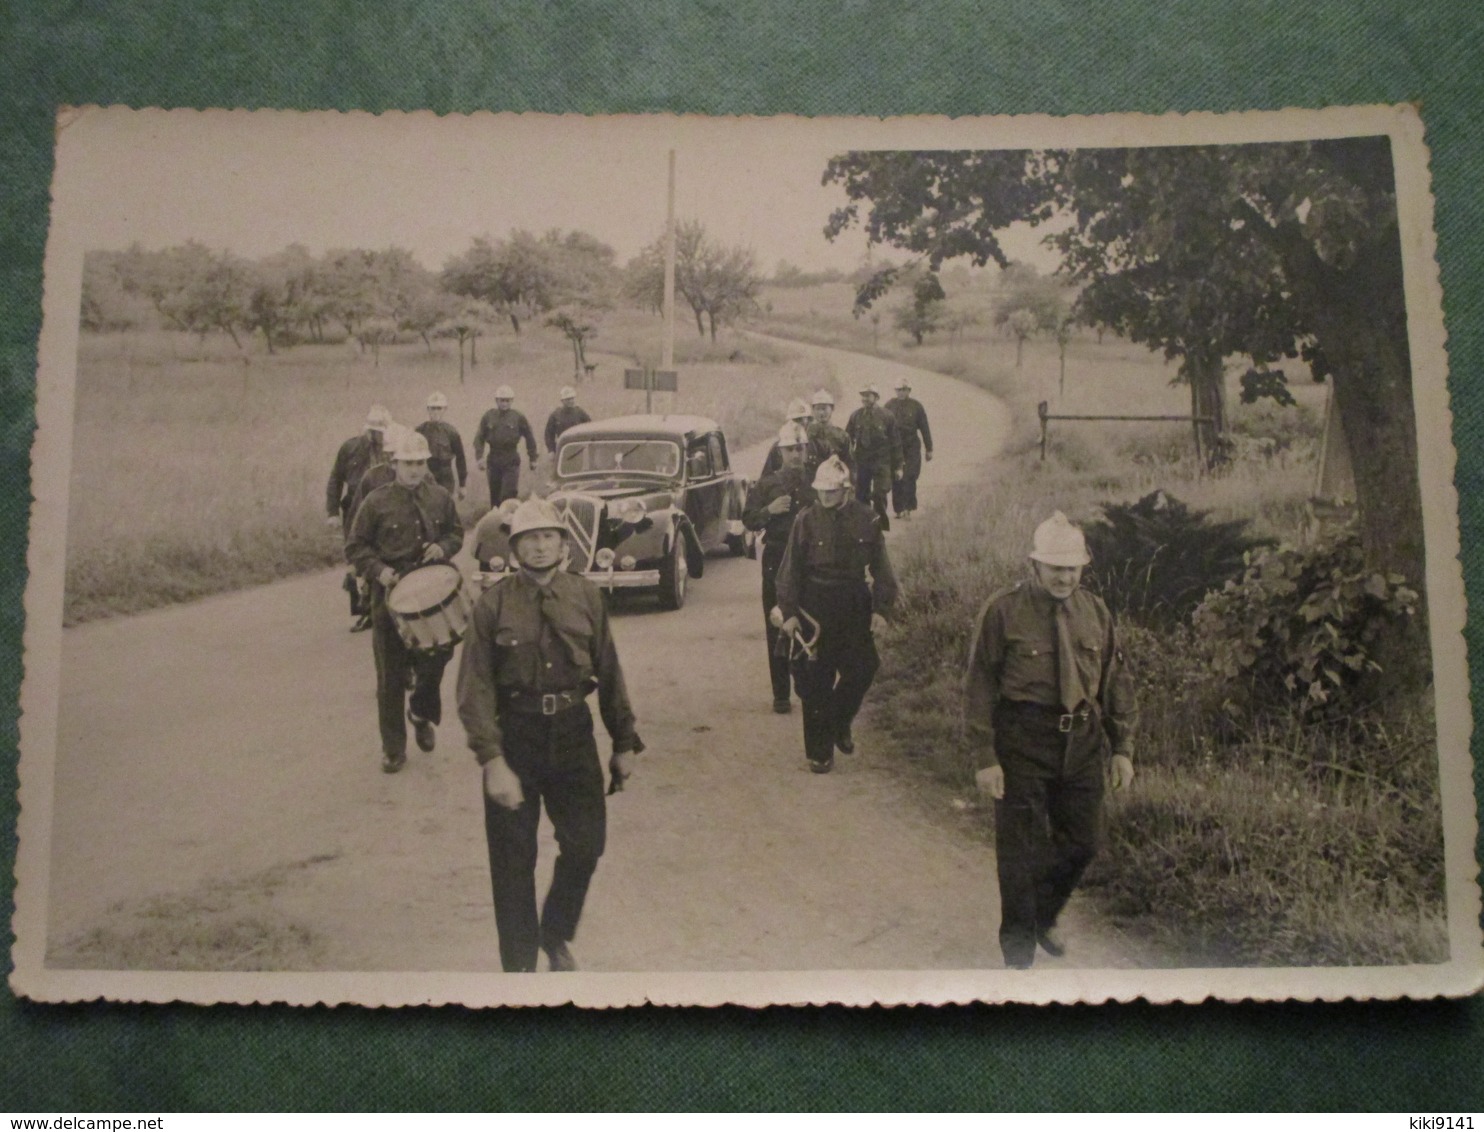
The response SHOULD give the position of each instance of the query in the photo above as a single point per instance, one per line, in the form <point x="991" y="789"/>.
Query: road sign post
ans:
<point x="649" y="379"/>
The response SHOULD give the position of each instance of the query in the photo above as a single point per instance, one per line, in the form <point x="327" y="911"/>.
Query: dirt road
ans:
<point x="219" y="801"/>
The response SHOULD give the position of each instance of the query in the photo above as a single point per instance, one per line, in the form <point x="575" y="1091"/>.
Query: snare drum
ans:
<point x="430" y="607"/>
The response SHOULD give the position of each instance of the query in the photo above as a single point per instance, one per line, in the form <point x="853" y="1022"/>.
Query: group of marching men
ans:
<point x="1048" y="697"/>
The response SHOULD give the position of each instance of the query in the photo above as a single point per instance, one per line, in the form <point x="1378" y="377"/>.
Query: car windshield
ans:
<point x="606" y="457"/>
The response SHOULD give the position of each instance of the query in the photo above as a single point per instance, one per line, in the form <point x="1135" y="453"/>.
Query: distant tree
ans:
<point x="465" y="322"/>
<point x="923" y="310"/>
<point x="719" y="284"/>
<point x="374" y="333"/>
<point x="1029" y="304"/>
<point x="106" y="303"/>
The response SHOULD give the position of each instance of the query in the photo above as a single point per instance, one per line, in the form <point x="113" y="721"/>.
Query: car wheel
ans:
<point x="674" y="571"/>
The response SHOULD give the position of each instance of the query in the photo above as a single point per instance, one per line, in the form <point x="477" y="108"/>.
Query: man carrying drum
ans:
<point x="408" y="523"/>
<point x="539" y="645"/>
<point x="832" y="547"/>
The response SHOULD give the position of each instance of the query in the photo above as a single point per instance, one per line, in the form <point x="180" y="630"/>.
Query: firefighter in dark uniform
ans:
<point x="502" y="429"/>
<point x="355" y="456"/>
<point x="831" y="548"/>
<point x="408" y="523"/>
<point x="563" y="417"/>
<point x="447" y="463"/>
<point x="772" y="504"/>
<point x="378" y="475"/>
<point x="826" y="439"/>
<point x="799" y="414"/>
<point x="538" y="646"/>
<point x="916" y="440"/>
<point x="878" y="453"/>
<point x="1047" y="694"/>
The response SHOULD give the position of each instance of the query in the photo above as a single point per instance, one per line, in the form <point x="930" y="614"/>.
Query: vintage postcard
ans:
<point x="516" y="560"/>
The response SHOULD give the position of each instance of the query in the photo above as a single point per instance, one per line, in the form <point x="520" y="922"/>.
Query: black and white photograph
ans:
<point x="519" y="559"/>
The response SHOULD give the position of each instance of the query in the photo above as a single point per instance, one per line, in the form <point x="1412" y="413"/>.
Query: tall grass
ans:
<point x="198" y="467"/>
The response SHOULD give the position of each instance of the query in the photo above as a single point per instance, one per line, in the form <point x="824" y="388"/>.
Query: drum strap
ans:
<point x="423" y="522"/>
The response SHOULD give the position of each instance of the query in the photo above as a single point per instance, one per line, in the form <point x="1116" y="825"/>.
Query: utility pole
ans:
<point x="667" y="357"/>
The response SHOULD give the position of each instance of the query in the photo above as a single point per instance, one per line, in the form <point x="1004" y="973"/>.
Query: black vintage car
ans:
<point x="645" y="499"/>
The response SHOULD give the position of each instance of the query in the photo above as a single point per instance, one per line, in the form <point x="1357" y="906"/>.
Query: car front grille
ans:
<point x="582" y="515"/>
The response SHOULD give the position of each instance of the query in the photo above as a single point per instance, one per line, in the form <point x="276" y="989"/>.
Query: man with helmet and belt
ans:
<point x="446" y="446"/>
<point x="772" y="504"/>
<point x="352" y="460"/>
<point x="832" y="547"/>
<point x="405" y="524"/>
<point x="916" y="441"/>
<point x="799" y="414"/>
<point x="878" y="452"/>
<point x="563" y="417"/>
<point x="826" y="439"/>
<point x="1047" y="695"/>
<point x="539" y="644"/>
<point x="502" y="429"/>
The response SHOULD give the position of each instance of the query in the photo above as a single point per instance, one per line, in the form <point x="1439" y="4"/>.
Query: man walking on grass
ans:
<point x="502" y="429"/>
<point x="539" y="645"/>
<point x="916" y="440"/>
<point x="1046" y="694"/>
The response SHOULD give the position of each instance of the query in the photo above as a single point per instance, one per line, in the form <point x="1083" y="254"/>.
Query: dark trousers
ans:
<point x="778" y="667"/>
<point x="834" y="684"/>
<point x="443" y="476"/>
<point x="904" y="490"/>
<point x="1048" y="824"/>
<point x="872" y="486"/>
<point x="556" y="759"/>
<point x="504" y="481"/>
<point x="399" y="669"/>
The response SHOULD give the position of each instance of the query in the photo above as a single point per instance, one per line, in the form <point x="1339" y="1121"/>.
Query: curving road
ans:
<point x="217" y="779"/>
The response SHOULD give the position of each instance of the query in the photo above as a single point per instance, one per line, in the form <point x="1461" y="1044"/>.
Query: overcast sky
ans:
<point x="257" y="182"/>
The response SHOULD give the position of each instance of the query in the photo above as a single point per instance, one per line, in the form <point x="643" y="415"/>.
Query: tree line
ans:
<point x="562" y="279"/>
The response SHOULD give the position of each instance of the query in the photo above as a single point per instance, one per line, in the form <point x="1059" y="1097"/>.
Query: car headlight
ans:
<point x="629" y="510"/>
<point x="496" y="564"/>
<point x="604" y="558"/>
<point x="627" y="562"/>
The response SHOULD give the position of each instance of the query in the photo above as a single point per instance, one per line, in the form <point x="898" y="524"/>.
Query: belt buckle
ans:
<point x="548" y="703"/>
<point x="1064" y="722"/>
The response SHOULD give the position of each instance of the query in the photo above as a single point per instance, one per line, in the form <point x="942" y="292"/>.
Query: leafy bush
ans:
<point x="1302" y="624"/>
<point x="1155" y="560"/>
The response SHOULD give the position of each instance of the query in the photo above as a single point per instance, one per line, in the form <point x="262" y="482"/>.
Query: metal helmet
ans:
<point x="413" y="446"/>
<point x="1058" y="543"/>
<point x="504" y="393"/>
<point x="535" y="515"/>
<point x="792" y="435"/>
<point x="567" y="394"/>
<point x="903" y="384"/>
<point x="377" y="418"/>
<point x="832" y="475"/>
<point x="797" y="410"/>
<point x="871" y="389"/>
<point x="822" y="397"/>
<point x="437" y="401"/>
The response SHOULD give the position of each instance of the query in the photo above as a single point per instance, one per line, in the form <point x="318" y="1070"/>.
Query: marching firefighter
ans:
<point x="916" y="440"/>
<point x="1047" y="694"/>
<point x="878" y="452"/>
<point x="538" y="646"/>
<point x="772" y="504"/>
<point x="354" y="457"/>
<point x="835" y="575"/>
<point x="447" y="464"/>
<point x="799" y="414"/>
<point x="502" y="429"/>
<point x="563" y="417"/>
<point x="826" y="439"/>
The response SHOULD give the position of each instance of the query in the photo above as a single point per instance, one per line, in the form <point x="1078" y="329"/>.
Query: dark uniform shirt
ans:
<point x="834" y="546"/>
<point x="502" y="431"/>
<point x="355" y="456"/>
<point x="911" y="419"/>
<point x="873" y="436"/>
<point x="793" y="482"/>
<point x="826" y="440"/>
<point x="378" y="475"/>
<point x="529" y="638"/>
<point x="445" y="449"/>
<point x="562" y="418"/>
<point x="1014" y="657"/>
<point x="396" y="524"/>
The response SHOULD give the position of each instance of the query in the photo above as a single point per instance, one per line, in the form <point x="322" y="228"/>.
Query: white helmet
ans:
<point x="871" y="389"/>
<point x="377" y="418"/>
<point x="567" y="394"/>
<point x="535" y="515"/>
<point x="797" y="410"/>
<point x="822" y="397"/>
<point x="832" y="475"/>
<point x="1058" y="543"/>
<point x="792" y="435"/>
<point x="413" y="446"/>
<point x="903" y="384"/>
<point x="393" y="438"/>
<point x="437" y="401"/>
<point x="504" y="393"/>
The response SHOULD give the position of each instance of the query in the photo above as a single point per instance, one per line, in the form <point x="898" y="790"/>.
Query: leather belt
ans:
<point x="1065" y="721"/>
<point x="541" y="703"/>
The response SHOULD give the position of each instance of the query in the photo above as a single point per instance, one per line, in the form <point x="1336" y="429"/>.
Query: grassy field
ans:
<point x="199" y="468"/>
<point x="1286" y="845"/>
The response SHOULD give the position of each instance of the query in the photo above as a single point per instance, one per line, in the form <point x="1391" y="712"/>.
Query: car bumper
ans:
<point x="623" y="579"/>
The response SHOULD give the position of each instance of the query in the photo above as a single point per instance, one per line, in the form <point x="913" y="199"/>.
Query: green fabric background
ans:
<point x="741" y="57"/>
